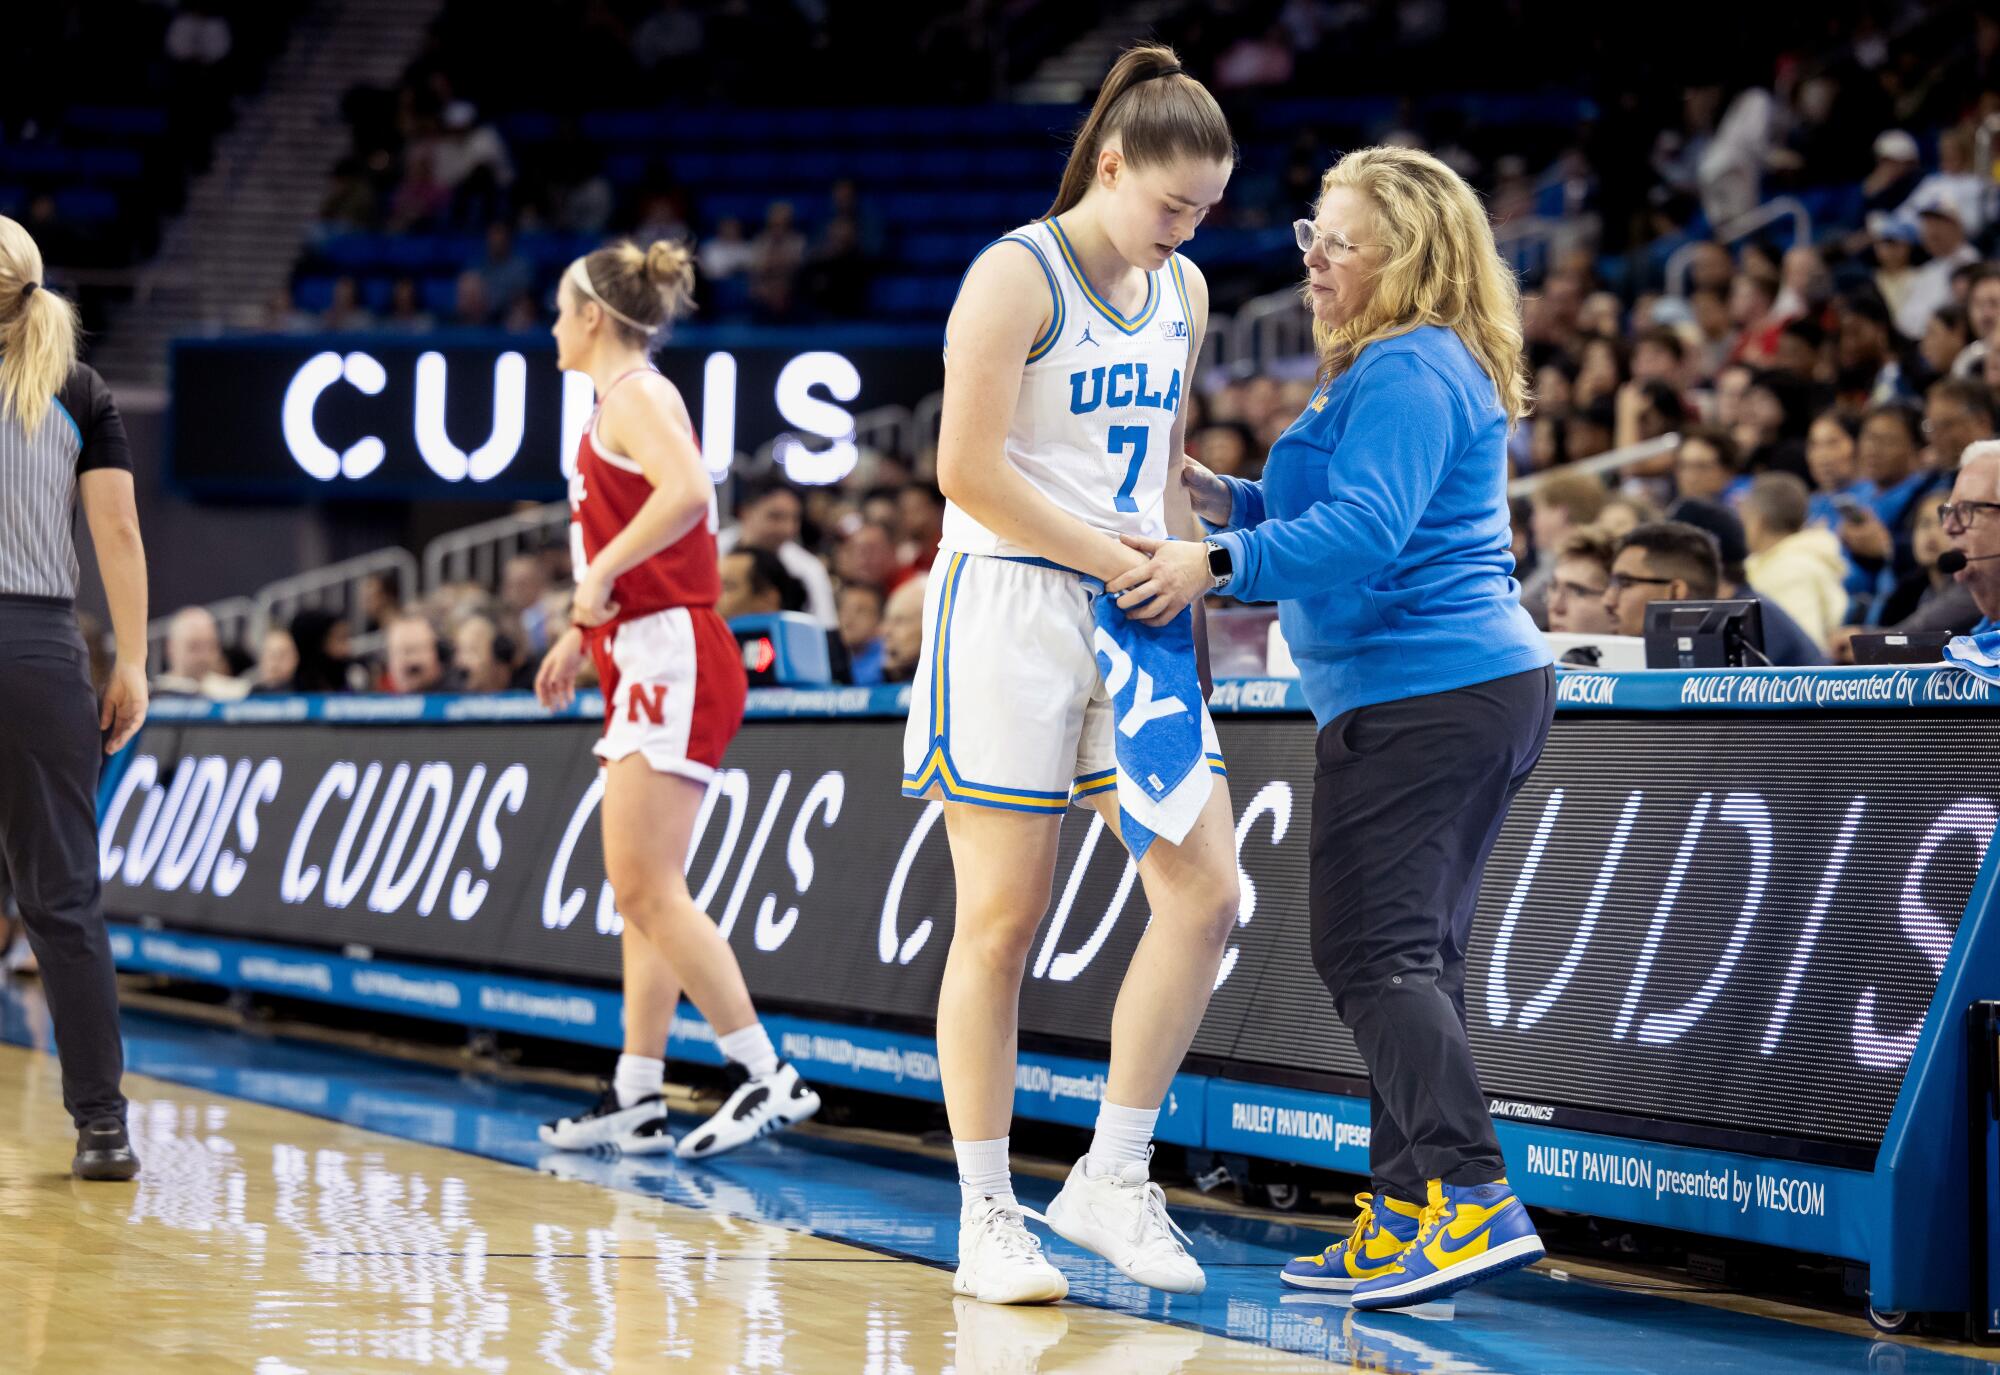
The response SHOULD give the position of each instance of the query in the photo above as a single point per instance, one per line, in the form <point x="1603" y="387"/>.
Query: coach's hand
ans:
<point x="1175" y="574"/>
<point x="124" y="708"/>
<point x="555" y="681"/>
<point x="591" y="604"/>
<point x="1207" y="493"/>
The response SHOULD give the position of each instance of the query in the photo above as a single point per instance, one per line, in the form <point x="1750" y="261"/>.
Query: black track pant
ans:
<point x="50" y="753"/>
<point x="1408" y="799"/>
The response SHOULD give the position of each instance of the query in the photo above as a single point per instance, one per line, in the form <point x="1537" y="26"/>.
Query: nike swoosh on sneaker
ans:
<point x="1451" y="1232"/>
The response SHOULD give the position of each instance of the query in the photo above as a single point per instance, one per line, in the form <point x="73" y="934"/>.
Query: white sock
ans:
<point x="750" y="1047"/>
<point x="982" y="1169"/>
<point x="638" y="1076"/>
<point x="1123" y="1136"/>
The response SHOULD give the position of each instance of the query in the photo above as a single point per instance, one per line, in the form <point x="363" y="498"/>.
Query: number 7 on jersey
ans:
<point x="1119" y="439"/>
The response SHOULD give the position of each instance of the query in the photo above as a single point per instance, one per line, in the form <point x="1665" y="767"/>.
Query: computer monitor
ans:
<point x="1711" y="634"/>
<point x="1901" y="646"/>
<point x="1573" y="650"/>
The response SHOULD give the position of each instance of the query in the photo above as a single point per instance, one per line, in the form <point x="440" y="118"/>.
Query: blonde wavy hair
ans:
<point x="1441" y="268"/>
<point x="38" y="331"/>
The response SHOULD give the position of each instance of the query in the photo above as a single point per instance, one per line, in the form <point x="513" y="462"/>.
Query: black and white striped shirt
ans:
<point x="38" y="484"/>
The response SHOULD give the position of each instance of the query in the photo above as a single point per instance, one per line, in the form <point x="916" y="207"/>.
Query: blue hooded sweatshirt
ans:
<point x="1381" y="528"/>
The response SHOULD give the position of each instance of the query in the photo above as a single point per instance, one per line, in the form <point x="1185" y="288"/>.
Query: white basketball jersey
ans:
<point x="1099" y="396"/>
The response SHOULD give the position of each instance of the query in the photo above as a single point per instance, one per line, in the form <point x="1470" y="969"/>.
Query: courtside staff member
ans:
<point x="1381" y="530"/>
<point x="61" y="441"/>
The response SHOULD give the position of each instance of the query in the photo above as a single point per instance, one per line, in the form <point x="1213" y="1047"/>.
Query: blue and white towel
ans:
<point x="1977" y="653"/>
<point x="1163" y="777"/>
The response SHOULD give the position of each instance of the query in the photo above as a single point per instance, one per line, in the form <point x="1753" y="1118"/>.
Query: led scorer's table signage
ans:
<point x="1703" y="926"/>
<point x="385" y="416"/>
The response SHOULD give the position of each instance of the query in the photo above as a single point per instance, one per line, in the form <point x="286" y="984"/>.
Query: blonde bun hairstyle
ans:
<point x="643" y="290"/>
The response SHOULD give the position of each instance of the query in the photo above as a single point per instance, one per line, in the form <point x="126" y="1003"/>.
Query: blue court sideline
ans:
<point x="1523" y="1324"/>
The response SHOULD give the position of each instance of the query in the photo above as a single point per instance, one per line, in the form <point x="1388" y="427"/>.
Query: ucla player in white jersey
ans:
<point x="1069" y="355"/>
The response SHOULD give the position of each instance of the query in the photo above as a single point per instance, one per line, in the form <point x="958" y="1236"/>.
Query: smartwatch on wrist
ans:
<point x="1221" y="567"/>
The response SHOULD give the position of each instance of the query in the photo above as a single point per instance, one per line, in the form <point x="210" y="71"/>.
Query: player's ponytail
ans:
<point x="38" y="331"/>
<point x="641" y="289"/>
<point x="1158" y="112"/>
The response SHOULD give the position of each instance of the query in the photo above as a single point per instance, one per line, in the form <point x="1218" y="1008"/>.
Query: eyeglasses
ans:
<point x="1932" y="426"/>
<point x="1963" y="513"/>
<point x="1620" y="581"/>
<point x="1575" y="589"/>
<point x="1334" y="244"/>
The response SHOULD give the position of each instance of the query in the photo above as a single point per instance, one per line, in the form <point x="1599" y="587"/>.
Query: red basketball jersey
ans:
<point x="605" y="493"/>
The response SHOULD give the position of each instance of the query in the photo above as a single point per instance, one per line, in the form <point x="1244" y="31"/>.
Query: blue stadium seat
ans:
<point x="626" y="168"/>
<point x="940" y="250"/>
<point x="749" y="168"/>
<point x="883" y="167"/>
<point x="881" y="124"/>
<point x="527" y="126"/>
<point x="1019" y="165"/>
<point x="313" y="293"/>
<point x="613" y="126"/>
<point x="818" y="168"/>
<point x="696" y="169"/>
<point x="111" y="164"/>
<point x="913" y="296"/>
<point x="407" y="252"/>
<point x="353" y="252"/>
<point x="730" y="296"/>
<point x="543" y="248"/>
<point x="440" y="295"/>
<point x="765" y="127"/>
<point x="37" y="160"/>
<point x="945" y="166"/>
<point x="84" y="204"/>
<point x="131" y="122"/>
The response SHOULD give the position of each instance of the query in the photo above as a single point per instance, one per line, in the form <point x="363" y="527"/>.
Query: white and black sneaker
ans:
<point x="757" y="1108"/>
<point x="638" y="1130"/>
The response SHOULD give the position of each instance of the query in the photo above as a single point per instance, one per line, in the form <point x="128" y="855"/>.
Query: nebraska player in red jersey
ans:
<point x="642" y="540"/>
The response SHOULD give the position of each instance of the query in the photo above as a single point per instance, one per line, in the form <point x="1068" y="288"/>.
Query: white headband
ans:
<point x="577" y="273"/>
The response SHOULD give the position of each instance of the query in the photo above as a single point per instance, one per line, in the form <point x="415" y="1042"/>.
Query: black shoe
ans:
<point x="103" y="1151"/>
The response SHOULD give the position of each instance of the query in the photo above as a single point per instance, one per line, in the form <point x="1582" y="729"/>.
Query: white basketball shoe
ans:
<point x="757" y="1108"/>
<point x="638" y="1130"/>
<point x="999" y="1259"/>
<point x="1122" y="1216"/>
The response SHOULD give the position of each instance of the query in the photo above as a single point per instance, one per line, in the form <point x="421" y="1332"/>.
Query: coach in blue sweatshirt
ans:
<point x="1381" y="530"/>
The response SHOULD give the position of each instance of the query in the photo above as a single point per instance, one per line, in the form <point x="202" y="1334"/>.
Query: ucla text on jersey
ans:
<point x="1121" y="384"/>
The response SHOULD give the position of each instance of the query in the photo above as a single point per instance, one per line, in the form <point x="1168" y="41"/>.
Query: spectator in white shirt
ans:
<point x="470" y="163"/>
<point x="728" y="253"/>
<point x="1954" y="182"/>
<point x="1943" y="232"/>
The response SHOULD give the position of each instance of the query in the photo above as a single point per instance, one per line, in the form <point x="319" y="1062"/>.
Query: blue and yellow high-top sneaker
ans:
<point x="1468" y="1233"/>
<point x="1369" y="1250"/>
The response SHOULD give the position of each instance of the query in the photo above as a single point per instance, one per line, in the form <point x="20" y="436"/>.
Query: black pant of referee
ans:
<point x="1408" y="798"/>
<point x="50" y="753"/>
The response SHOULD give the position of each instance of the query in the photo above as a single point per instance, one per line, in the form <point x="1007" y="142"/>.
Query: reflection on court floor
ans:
<point x="312" y="1209"/>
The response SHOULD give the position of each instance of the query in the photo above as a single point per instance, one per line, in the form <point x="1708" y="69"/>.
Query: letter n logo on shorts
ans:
<point x="649" y="698"/>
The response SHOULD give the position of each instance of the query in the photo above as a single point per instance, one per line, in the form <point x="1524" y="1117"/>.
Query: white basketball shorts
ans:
<point x="1008" y="708"/>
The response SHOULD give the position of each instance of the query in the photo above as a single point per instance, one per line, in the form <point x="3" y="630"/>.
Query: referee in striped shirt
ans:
<point x="61" y="441"/>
